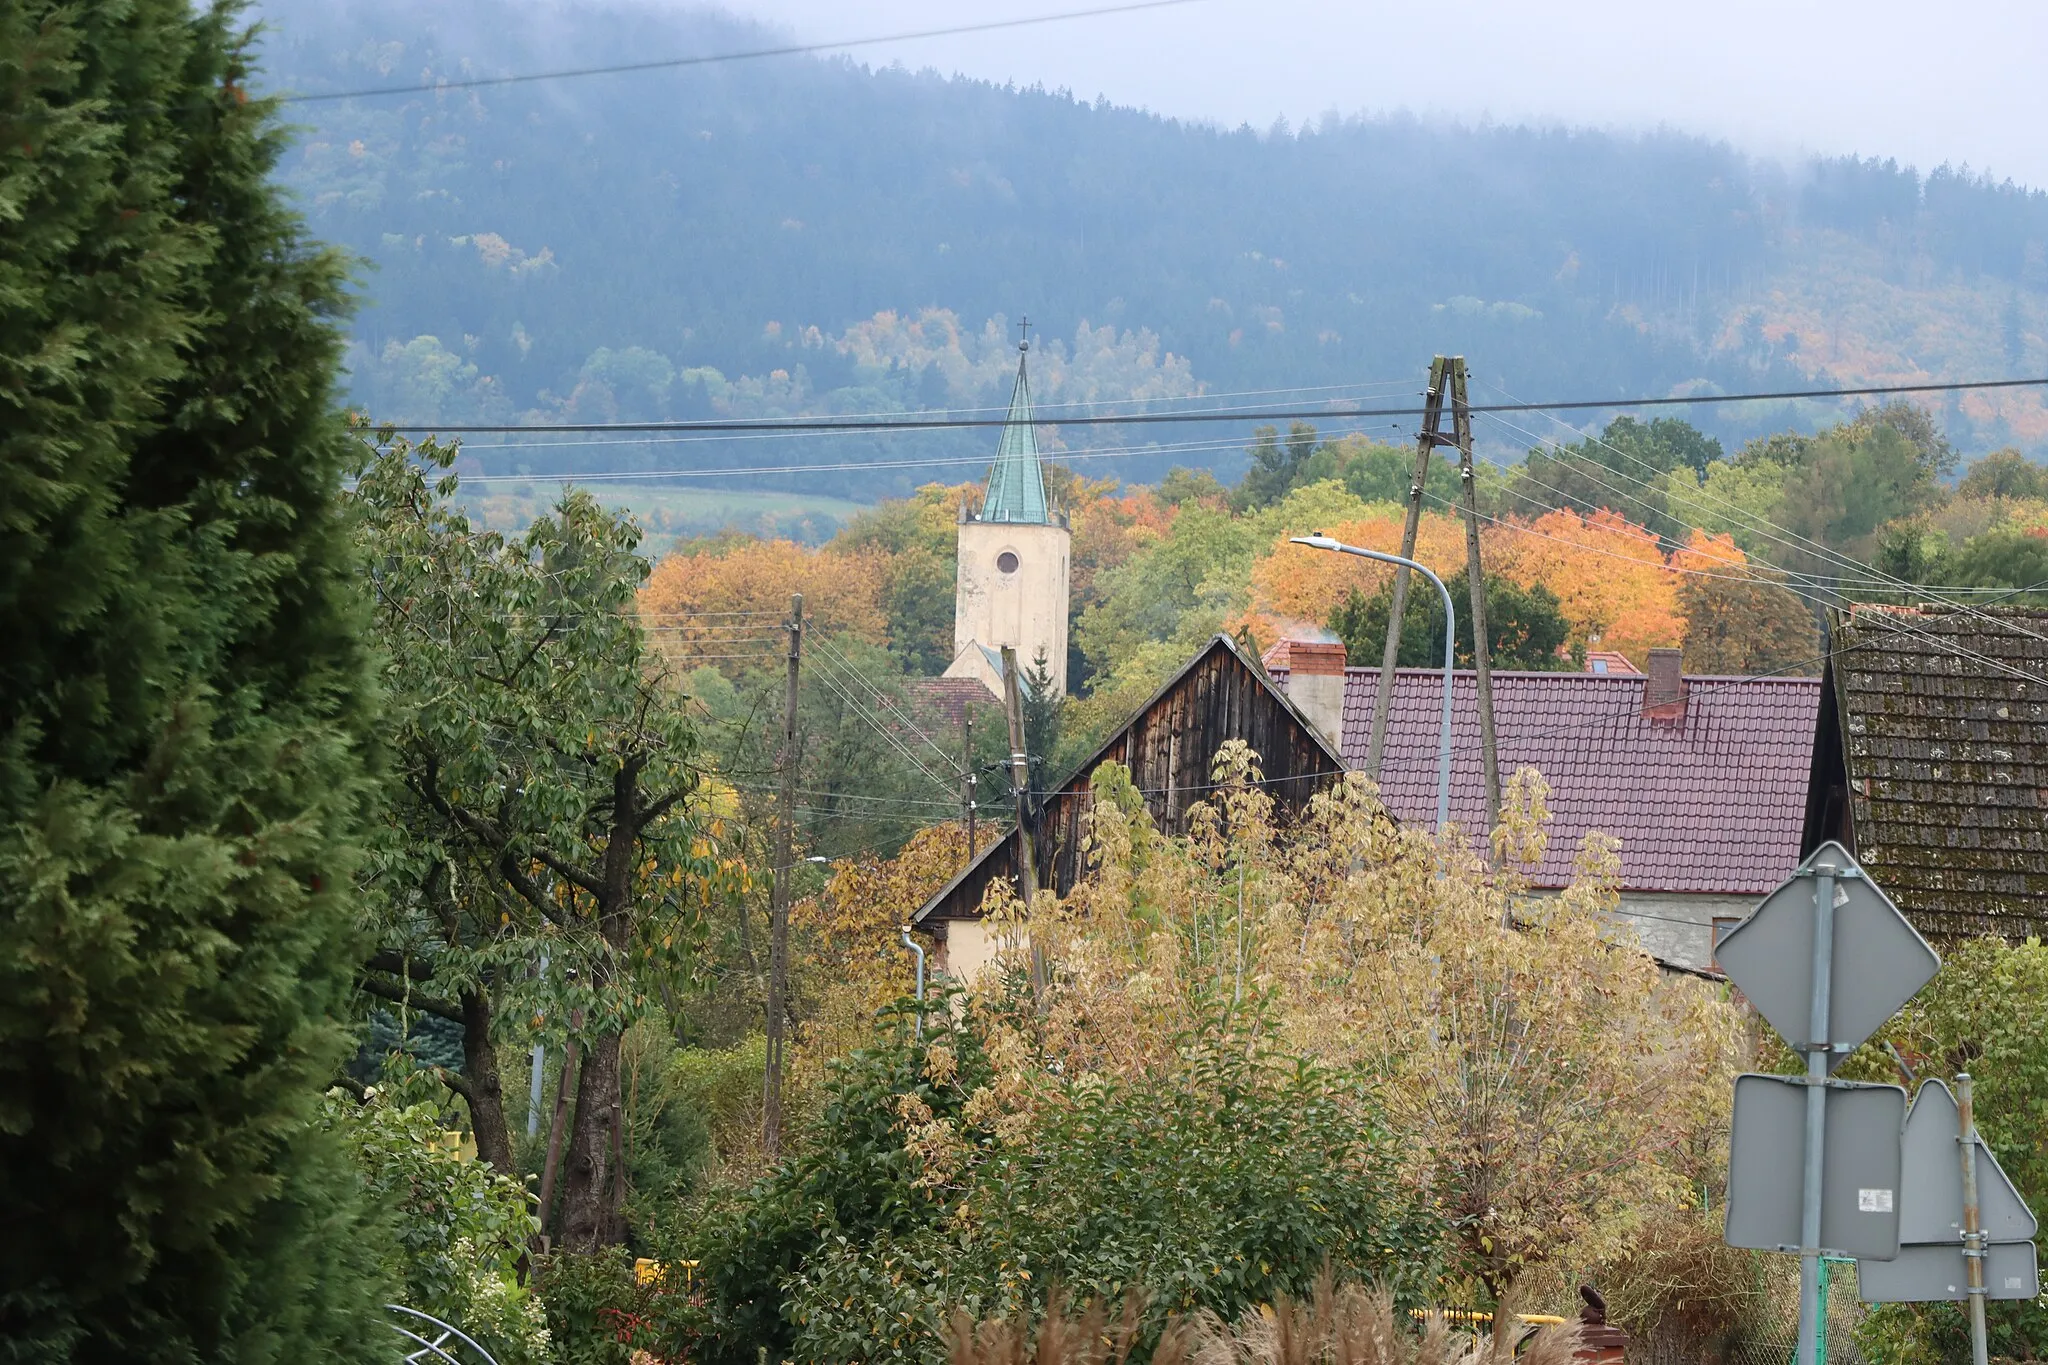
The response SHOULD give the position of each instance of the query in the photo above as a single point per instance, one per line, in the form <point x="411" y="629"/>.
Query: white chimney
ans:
<point x="1315" y="684"/>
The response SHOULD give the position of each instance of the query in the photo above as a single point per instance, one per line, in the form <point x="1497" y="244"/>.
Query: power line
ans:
<point x="799" y="424"/>
<point x="1768" y="529"/>
<point x="753" y="54"/>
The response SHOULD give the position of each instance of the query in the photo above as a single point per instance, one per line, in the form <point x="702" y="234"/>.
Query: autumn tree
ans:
<point x="1534" y="1061"/>
<point x="1746" y="624"/>
<point x="189" y="726"/>
<point x="1525" y="629"/>
<point x="544" y="769"/>
<point x="2004" y="474"/>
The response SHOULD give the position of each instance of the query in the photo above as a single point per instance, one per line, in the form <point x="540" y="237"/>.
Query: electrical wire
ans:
<point x="800" y="424"/>
<point x="1779" y="533"/>
<point x="712" y="59"/>
<point x="1231" y="443"/>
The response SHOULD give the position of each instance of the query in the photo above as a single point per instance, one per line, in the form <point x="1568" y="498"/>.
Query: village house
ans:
<point x="1931" y="762"/>
<point x="1702" y="779"/>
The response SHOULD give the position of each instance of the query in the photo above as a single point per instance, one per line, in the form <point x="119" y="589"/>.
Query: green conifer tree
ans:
<point x="185" y="725"/>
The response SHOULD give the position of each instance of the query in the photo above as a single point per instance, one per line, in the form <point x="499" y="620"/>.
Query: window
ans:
<point x="1007" y="561"/>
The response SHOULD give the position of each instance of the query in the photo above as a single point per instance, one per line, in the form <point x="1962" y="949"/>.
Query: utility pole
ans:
<point x="778" y="913"/>
<point x="1475" y="577"/>
<point x="1020" y="783"/>
<point x="1973" y="1218"/>
<point x="1427" y="439"/>
<point x="967" y="771"/>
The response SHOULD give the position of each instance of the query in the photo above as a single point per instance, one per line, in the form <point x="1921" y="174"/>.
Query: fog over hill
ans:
<point x="808" y="235"/>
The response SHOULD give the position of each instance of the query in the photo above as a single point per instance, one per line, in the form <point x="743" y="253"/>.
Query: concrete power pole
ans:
<point x="1482" y="662"/>
<point x="1020" y="783"/>
<point x="778" y="913"/>
<point x="967" y="775"/>
<point x="1427" y="438"/>
<point x="1446" y="381"/>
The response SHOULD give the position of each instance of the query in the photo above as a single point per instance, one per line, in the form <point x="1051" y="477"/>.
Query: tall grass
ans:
<point x="1335" y="1325"/>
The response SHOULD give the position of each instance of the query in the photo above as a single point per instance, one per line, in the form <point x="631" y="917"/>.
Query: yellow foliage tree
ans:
<point x="721" y="600"/>
<point x="1551" y="1086"/>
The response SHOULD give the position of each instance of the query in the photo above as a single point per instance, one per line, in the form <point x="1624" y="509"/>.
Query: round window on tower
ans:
<point x="1007" y="561"/>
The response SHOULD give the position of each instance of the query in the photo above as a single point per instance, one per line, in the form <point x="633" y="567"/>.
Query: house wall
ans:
<point x="1025" y="608"/>
<point x="1679" y="929"/>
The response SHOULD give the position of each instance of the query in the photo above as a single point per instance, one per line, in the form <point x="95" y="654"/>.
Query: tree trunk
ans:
<point x="486" y="1094"/>
<point x="594" y="1187"/>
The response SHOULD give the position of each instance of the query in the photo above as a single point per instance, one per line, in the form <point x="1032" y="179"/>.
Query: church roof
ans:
<point x="1016" y="484"/>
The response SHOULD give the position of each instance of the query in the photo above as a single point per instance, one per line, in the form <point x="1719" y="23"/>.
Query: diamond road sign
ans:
<point x="1859" y="1209"/>
<point x="1931" y="1180"/>
<point x="1923" y="1274"/>
<point x="1879" y="959"/>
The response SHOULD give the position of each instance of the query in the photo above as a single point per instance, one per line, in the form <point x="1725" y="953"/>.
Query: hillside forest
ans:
<point x="810" y="235"/>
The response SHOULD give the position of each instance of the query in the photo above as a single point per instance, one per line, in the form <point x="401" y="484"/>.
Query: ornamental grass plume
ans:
<point x="1346" y="1324"/>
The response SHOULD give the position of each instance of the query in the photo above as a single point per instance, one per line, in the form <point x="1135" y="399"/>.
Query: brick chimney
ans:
<point x="1664" y="689"/>
<point x="1315" y="684"/>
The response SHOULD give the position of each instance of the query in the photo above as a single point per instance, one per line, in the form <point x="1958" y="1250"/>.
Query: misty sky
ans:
<point x="1918" y="82"/>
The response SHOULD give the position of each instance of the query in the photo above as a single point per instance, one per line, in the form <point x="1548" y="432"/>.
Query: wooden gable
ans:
<point x="1168" y="747"/>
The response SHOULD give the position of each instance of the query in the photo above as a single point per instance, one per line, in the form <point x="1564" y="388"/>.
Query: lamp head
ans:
<point x="1318" y="541"/>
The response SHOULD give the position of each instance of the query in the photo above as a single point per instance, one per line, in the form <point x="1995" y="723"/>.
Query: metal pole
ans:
<point x="1973" y="1218"/>
<point x="1426" y="441"/>
<point x="1319" y="541"/>
<point x="917" y="948"/>
<point x="540" y="1062"/>
<point x="1816" y="1114"/>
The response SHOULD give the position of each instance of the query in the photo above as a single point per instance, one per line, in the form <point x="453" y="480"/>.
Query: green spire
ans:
<point x="1016" y="485"/>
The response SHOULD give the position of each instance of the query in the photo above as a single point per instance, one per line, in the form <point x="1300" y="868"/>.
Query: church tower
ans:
<point x="1013" y="566"/>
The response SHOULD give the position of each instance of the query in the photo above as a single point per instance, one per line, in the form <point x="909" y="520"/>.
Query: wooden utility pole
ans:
<point x="1427" y="439"/>
<point x="1475" y="577"/>
<point x="1020" y="783"/>
<point x="778" y="913"/>
<point x="967" y="770"/>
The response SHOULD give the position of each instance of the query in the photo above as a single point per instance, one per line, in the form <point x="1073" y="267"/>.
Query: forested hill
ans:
<point x="805" y="234"/>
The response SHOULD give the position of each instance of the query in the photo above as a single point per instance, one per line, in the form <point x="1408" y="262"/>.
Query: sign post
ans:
<point x="1965" y="1233"/>
<point x="1827" y="921"/>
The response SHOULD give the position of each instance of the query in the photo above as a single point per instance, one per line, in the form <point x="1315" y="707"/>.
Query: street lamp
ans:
<point x="1319" y="541"/>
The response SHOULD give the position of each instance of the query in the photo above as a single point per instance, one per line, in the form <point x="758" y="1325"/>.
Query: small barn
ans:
<point x="1930" y="762"/>
<point x="1168" y="745"/>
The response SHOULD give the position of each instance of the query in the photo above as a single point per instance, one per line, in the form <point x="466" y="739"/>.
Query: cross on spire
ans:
<point x="1024" y="333"/>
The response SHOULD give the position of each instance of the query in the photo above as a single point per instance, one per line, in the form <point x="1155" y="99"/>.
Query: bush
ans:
<point x="934" y="1181"/>
<point x="460" y="1227"/>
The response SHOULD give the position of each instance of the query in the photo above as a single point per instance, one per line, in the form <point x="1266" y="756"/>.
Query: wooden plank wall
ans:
<point x="1169" y="747"/>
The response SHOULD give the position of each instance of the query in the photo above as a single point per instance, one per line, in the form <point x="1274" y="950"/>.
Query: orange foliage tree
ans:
<point x="1295" y="585"/>
<point x="721" y="600"/>
<point x="1609" y="575"/>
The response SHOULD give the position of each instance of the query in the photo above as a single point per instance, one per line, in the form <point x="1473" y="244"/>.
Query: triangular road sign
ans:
<point x="1931" y="1179"/>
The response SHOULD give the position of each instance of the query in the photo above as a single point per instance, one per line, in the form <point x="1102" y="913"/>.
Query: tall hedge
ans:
<point x="186" y="732"/>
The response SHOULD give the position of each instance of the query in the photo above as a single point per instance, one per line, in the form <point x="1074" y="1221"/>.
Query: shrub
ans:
<point x="460" y="1227"/>
<point x="958" y="1172"/>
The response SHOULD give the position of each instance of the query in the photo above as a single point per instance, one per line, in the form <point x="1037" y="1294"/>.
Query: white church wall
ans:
<point x="1012" y="590"/>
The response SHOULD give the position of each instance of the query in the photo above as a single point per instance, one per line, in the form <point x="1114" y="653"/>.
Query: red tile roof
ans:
<point x="940" y="702"/>
<point x="1714" y="803"/>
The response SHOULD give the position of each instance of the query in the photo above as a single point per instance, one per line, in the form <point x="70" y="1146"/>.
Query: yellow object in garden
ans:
<point x="646" y="1271"/>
